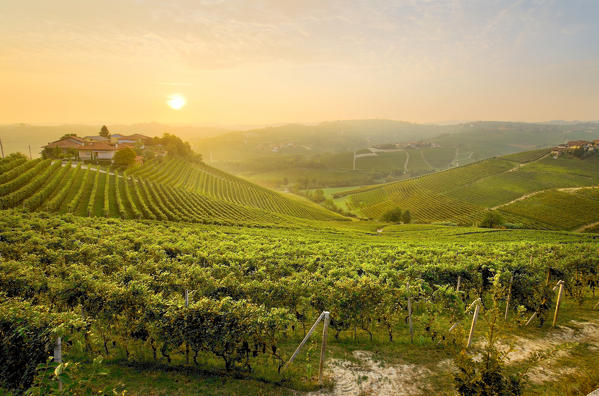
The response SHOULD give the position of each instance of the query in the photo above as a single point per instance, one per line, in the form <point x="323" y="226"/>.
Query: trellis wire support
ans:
<point x="323" y="346"/>
<point x="58" y="357"/>
<point x="410" y="314"/>
<point x="466" y="311"/>
<point x="477" y="303"/>
<point x="559" y="299"/>
<point x="299" y="347"/>
<point x="509" y="295"/>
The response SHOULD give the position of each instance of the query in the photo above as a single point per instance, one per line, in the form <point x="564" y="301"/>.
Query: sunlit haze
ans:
<point x="297" y="61"/>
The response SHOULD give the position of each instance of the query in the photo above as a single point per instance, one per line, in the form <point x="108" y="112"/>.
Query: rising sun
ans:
<point x="176" y="101"/>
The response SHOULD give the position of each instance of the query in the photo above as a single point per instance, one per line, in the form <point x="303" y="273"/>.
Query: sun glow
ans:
<point x="176" y="101"/>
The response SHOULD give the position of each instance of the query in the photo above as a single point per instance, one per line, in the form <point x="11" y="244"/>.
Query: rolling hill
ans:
<point x="174" y="190"/>
<point x="530" y="188"/>
<point x="323" y="154"/>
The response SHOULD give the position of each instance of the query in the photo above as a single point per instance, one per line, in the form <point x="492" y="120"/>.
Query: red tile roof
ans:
<point x="68" y="142"/>
<point x="97" y="146"/>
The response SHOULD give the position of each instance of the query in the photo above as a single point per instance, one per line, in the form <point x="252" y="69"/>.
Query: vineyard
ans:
<point x="175" y="191"/>
<point x="463" y="195"/>
<point x="116" y="288"/>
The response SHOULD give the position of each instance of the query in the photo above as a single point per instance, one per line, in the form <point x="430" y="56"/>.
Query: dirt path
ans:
<point x="425" y="160"/>
<point x="560" y="340"/>
<point x="370" y="377"/>
<point x="365" y="375"/>
<point x="521" y="165"/>
<point x="518" y="199"/>
<point x="587" y="226"/>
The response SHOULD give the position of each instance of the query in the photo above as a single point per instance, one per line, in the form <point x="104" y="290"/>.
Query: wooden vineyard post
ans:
<point x="457" y="288"/>
<point x="559" y="299"/>
<point x="58" y="357"/>
<point x="323" y="347"/>
<point x="509" y="295"/>
<point x="474" y="318"/>
<point x="530" y="319"/>
<point x="186" y="343"/>
<point x="410" y="314"/>
<point x="30" y="157"/>
<point x="2" y="148"/>
<point x="299" y="347"/>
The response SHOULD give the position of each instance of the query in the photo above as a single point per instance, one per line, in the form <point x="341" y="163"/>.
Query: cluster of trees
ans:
<point x="396" y="215"/>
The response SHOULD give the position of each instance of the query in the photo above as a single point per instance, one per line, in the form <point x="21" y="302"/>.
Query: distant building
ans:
<point x="97" y="151"/>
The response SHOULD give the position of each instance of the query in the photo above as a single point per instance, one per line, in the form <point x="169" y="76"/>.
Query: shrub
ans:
<point x="392" y="216"/>
<point x="492" y="220"/>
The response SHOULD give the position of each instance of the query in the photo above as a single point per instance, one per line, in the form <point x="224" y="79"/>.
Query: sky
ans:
<point x="272" y="61"/>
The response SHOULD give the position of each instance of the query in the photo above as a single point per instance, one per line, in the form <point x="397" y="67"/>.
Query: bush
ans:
<point x="124" y="157"/>
<point x="492" y="220"/>
<point x="392" y="216"/>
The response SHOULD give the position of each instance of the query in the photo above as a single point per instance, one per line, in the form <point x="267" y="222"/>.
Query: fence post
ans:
<point x="323" y="346"/>
<point x="476" y="309"/>
<point x="299" y="347"/>
<point x="559" y="299"/>
<point x="410" y="314"/>
<point x="58" y="357"/>
<point x="186" y="344"/>
<point x="509" y="295"/>
<point x="457" y="288"/>
<point x="531" y="318"/>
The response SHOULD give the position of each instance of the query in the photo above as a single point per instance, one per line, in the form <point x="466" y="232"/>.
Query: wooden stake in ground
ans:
<point x="410" y="315"/>
<point x="457" y="288"/>
<point x="2" y="148"/>
<point x="476" y="309"/>
<point x="559" y="299"/>
<point x="58" y="357"/>
<point x="186" y="344"/>
<point x="323" y="346"/>
<point x="509" y="295"/>
<point x="30" y="157"/>
<point x="299" y="347"/>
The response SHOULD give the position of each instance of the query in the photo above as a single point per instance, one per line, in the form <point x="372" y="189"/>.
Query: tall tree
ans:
<point x="104" y="132"/>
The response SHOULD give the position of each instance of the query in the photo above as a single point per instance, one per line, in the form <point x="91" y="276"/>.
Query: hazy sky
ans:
<point x="263" y="61"/>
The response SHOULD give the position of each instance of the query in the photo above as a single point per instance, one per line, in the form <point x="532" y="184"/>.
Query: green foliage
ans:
<point x="175" y="147"/>
<point x="124" y="158"/>
<point x="392" y="215"/>
<point x="28" y="333"/>
<point x="492" y="220"/>
<point x="488" y="376"/>
<point x="104" y="132"/>
<point x="406" y="217"/>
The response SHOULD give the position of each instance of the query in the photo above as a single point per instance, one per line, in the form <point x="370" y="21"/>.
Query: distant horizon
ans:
<point x="284" y="123"/>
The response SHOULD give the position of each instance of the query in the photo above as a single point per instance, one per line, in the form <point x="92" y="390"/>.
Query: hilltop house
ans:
<point x="67" y="145"/>
<point x="575" y="145"/>
<point x="94" y="151"/>
<point x="92" y="148"/>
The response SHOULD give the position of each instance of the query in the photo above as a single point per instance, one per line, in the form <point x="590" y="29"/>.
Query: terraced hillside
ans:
<point x="88" y="191"/>
<point x="205" y="180"/>
<point x="526" y="188"/>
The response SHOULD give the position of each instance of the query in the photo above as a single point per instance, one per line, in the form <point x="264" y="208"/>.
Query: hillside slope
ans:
<point x="90" y="191"/>
<point x="528" y="188"/>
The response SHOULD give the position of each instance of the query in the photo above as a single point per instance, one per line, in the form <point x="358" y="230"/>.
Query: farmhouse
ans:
<point x="69" y="142"/>
<point x="97" y="151"/>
